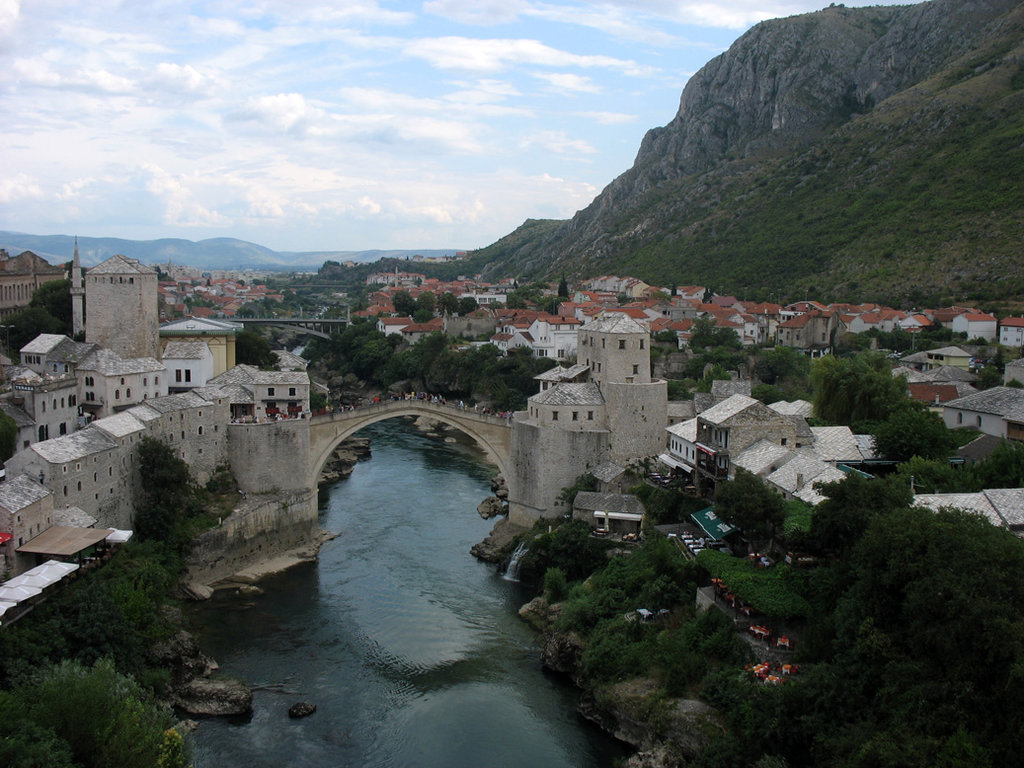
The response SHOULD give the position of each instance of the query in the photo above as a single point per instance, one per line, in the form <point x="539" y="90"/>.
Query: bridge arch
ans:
<point x="326" y="431"/>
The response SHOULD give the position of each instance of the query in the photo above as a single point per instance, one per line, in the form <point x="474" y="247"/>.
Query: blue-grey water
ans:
<point x="410" y="648"/>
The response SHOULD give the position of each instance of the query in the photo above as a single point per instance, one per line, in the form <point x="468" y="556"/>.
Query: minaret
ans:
<point x="77" y="294"/>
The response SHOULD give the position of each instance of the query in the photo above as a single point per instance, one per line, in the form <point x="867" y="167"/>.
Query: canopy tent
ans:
<point x="5" y="537"/>
<point x="18" y="594"/>
<point x="53" y="567"/>
<point x="711" y="524"/>
<point x="64" y="541"/>
<point x="29" y="579"/>
<point x="118" y="536"/>
<point x="671" y="461"/>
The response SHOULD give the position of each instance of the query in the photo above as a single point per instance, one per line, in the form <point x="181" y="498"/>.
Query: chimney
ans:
<point x="799" y="479"/>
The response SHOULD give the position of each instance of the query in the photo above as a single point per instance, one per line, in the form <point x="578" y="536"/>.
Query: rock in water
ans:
<point x="203" y="696"/>
<point x="301" y="709"/>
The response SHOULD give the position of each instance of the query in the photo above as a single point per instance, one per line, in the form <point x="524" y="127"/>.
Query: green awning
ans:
<point x="712" y="525"/>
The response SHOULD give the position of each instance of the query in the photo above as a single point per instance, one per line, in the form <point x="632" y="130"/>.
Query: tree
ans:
<point x="29" y="323"/>
<point x="913" y="430"/>
<point x="467" y="305"/>
<point x="425" y="303"/>
<point x="8" y="436"/>
<point x="55" y="297"/>
<point x="563" y="288"/>
<point x="252" y="349"/>
<point x="857" y="389"/>
<point x="168" y="493"/>
<point x="404" y="303"/>
<point x="750" y="504"/>
<point x="447" y="303"/>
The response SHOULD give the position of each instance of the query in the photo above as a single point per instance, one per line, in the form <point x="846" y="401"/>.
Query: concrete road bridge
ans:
<point x="493" y="433"/>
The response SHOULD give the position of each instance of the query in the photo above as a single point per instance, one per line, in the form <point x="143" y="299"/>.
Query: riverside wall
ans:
<point x="263" y="527"/>
<point x="270" y="456"/>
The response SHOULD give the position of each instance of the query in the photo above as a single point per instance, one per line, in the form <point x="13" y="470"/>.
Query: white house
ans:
<point x="1011" y="331"/>
<point x="189" y="364"/>
<point x="998" y="411"/>
<point x="976" y="325"/>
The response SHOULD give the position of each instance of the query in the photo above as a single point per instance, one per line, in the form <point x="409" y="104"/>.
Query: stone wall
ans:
<point x="270" y="456"/>
<point x="544" y="461"/>
<point x="265" y="526"/>
<point x="637" y="417"/>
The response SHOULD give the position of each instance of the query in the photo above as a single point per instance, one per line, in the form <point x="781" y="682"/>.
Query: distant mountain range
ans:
<point x="216" y="253"/>
<point x="868" y="153"/>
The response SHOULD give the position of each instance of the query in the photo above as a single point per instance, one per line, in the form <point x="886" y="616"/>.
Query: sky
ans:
<point x="337" y="125"/>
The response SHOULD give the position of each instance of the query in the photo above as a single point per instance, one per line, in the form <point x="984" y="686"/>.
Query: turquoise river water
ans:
<point x="410" y="648"/>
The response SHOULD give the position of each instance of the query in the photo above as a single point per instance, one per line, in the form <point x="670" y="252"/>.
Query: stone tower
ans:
<point x="77" y="295"/>
<point x="121" y="304"/>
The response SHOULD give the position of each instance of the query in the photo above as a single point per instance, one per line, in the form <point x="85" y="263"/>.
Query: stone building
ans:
<point x="121" y="307"/>
<point x="189" y="365"/>
<point x="110" y="383"/>
<point x="729" y="428"/>
<point x="20" y="276"/>
<point x="272" y="394"/>
<point x="26" y="509"/>
<point x="605" y="409"/>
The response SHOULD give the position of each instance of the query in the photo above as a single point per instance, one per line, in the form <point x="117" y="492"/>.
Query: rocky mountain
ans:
<point x="214" y="253"/>
<point x="858" y="152"/>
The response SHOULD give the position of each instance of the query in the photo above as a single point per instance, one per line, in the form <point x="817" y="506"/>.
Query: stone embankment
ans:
<point x="665" y="731"/>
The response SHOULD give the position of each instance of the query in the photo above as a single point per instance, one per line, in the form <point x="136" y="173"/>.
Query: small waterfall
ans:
<point x="512" y="572"/>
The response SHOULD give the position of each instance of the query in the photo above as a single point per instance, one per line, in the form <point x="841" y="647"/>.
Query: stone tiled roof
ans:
<point x="725" y="410"/>
<point x="1009" y="504"/>
<point x="570" y="394"/>
<point x="121" y="265"/>
<point x="177" y="402"/>
<point x="615" y="322"/>
<point x="57" y="346"/>
<point x="999" y="401"/>
<point x="685" y="429"/>
<point x="288" y="361"/>
<point x="120" y="424"/>
<point x="969" y="502"/>
<point x="721" y="388"/>
<point x="108" y="363"/>
<point x="186" y="350"/>
<point x="551" y="374"/>
<point x="20" y="491"/>
<point x="20" y="415"/>
<point x="608" y="502"/>
<point x="77" y="445"/>
<point x="608" y="471"/>
<point x="43" y="343"/>
<point x="803" y="470"/>
<point x="866" y="446"/>
<point x="247" y="374"/>
<point x="235" y="393"/>
<point x="763" y="457"/>
<point x="75" y="517"/>
<point x="793" y="408"/>
<point x="947" y="373"/>
<point x="835" y="444"/>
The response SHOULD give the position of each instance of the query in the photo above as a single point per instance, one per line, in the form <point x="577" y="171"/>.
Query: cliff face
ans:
<point x="784" y="87"/>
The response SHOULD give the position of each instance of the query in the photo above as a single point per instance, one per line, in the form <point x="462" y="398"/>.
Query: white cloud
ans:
<point x="566" y="82"/>
<point x="180" y="79"/>
<point x="558" y="142"/>
<point x="608" y="118"/>
<point x="285" y="112"/>
<point x="483" y="12"/>
<point x="495" y="55"/>
<point x="19" y="187"/>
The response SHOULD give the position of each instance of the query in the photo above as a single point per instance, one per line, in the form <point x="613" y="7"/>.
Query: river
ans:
<point x="410" y="648"/>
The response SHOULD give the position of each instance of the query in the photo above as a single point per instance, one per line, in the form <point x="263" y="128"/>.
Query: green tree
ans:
<point x="467" y="305"/>
<point x="852" y="391"/>
<point x="447" y="303"/>
<point x="29" y="323"/>
<point x="912" y="430"/>
<point x="563" y="288"/>
<point x="404" y="303"/>
<point x="426" y="302"/>
<point x="252" y="349"/>
<point x="751" y="505"/>
<point x="8" y="436"/>
<point x="168" y="494"/>
<point x="55" y="298"/>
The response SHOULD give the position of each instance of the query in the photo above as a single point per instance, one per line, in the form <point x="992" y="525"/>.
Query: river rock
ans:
<point x="181" y="655"/>
<point x="301" y="709"/>
<point x="634" y="712"/>
<point x="204" y="696"/>
<point x="490" y="507"/>
<point x="563" y="652"/>
<point x="540" y="614"/>
<point x="491" y="549"/>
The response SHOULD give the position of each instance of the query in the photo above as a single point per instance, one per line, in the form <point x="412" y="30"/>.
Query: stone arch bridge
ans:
<point x="493" y="433"/>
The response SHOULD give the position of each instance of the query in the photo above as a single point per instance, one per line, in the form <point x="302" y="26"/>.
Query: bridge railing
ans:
<point x="383" y="406"/>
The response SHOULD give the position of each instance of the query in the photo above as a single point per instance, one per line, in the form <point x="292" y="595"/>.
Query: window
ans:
<point x="44" y="406"/>
<point x="128" y="392"/>
<point x="188" y="375"/>
<point x="117" y="394"/>
<point x="590" y="415"/>
<point x="783" y="442"/>
<point x="622" y="343"/>
<point x="602" y="343"/>
<point x="636" y="369"/>
<point x="177" y="374"/>
<point x="122" y="381"/>
<point x="575" y="416"/>
<point x="641" y="343"/>
<point x="554" y="415"/>
<point x="200" y="429"/>
<point x="270" y="391"/>
<point x="156" y="380"/>
<point x="291" y="391"/>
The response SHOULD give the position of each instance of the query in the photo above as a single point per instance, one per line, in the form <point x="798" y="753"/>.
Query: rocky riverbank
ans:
<point x="343" y="461"/>
<point x="665" y="731"/>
